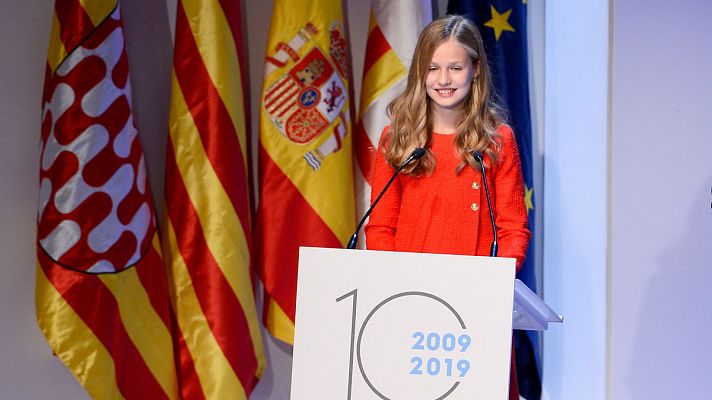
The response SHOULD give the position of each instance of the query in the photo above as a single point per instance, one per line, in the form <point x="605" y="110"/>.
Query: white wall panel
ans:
<point x="575" y="195"/>
<point x="661" y="244"/>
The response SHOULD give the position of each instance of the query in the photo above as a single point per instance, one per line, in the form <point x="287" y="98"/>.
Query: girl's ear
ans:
<point x="475" y="75"/>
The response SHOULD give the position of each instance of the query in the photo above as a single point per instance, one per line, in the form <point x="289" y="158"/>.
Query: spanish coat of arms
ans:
<point x="311" y="95"/>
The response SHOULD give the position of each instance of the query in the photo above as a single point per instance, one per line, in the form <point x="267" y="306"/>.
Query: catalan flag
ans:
<point x="101" y="295"/>
<point x="503" y="24"/>
<point x="207" y="238"/>
<point x="392" y="33"/>
<point x="306" y="183"/>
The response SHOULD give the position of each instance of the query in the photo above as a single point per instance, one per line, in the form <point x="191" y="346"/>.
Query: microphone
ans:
<point x="418" y="153"/>
<point x="493" y="248"/>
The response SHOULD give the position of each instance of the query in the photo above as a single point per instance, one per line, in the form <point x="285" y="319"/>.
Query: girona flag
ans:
<point x="101" y="295"/>
<point x="306" y="183"/>
<point x="392" y="34"/>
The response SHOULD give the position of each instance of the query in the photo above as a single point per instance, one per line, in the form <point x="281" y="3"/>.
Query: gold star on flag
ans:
<point x="528" y="192"/>
<point x="499" y="22"/>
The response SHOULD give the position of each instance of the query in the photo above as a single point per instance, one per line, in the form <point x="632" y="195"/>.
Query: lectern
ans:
<point x="396" y="325"/>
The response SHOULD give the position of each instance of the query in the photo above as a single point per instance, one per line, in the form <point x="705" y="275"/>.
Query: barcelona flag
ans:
<point x="503" y="24"/>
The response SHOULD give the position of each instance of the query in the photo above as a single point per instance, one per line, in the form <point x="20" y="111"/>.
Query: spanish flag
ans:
<point x="101" y="295"/>
<point x="208" y="220"/>
<point x="306" y="178"/>
<point x="392" y="34"/>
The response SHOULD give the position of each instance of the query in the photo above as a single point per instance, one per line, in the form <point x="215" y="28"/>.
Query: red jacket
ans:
<point x="447" y="213"/>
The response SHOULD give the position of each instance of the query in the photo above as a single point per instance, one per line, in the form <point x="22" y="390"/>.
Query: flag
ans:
<point x="101" y="293"/>
<point x="306" y="174"/>
<point x="207" y="225"/>
<point x="503" y="24"/>
<point x="392" y="34"/>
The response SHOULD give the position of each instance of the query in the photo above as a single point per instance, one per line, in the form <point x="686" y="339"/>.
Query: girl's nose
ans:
<point x="444" y="78"/>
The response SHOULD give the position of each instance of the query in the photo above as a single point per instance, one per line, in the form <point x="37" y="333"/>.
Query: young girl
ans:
<point x="438" y="203"/>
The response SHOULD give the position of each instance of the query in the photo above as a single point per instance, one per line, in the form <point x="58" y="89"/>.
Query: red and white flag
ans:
<point x="101" y="296"/>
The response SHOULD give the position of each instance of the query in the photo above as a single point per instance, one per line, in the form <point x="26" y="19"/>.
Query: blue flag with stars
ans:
<point x="503" y="24"/>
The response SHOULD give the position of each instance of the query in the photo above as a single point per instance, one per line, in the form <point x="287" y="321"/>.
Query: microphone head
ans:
<point x="478" y="156"/>
<point x="418" y="153"/>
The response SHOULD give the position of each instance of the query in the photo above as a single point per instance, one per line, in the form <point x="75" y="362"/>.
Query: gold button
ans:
<point x="475" y="207"/>
<point x="475" y="185"/>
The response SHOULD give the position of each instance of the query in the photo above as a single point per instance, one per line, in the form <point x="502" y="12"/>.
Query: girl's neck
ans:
<point x="445" y="121"/>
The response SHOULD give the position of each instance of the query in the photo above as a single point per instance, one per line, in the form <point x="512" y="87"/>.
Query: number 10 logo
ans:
<point x="431" y="360"/>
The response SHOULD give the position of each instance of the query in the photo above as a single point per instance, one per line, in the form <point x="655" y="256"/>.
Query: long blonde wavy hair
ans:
<point x="410" y="112"/>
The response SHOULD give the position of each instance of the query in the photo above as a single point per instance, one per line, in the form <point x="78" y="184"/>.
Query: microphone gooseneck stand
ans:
<point x="415" y="155"/>
<point x="494" y="246"/>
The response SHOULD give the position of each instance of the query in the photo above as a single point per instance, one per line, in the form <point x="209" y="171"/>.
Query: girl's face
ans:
<point x="449" y="76"/>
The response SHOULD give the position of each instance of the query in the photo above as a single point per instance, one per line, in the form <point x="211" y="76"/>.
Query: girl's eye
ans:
<point x="456" y="68"/>
<point x="432" y="68"/>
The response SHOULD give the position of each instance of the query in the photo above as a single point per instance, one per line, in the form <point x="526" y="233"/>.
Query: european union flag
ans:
<point x="503" y="24"/>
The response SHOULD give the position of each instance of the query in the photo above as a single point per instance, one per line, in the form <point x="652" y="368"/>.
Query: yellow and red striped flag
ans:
<point x="207" y="238"/>
<point x="101" y="294"/>
<point x="306" y="176"/>
<point x="392" y="34"/>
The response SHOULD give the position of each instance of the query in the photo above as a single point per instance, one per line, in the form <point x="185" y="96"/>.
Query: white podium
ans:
<point x="394" y="325"/>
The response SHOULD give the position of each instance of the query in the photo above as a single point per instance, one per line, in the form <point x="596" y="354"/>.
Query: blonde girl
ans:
<point x="437" y="203"/>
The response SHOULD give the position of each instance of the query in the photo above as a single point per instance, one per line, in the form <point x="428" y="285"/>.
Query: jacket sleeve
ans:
<point x="510" y="209"/>
<point x="381" y="228"/>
